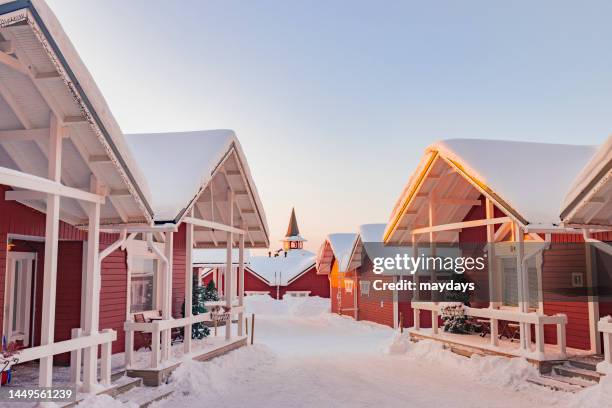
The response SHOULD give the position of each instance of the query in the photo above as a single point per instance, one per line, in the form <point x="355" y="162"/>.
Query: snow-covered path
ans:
<point x="307" y="357"/>
<point x="326" y="360"/>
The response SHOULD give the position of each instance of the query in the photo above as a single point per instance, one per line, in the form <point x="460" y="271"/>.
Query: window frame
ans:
<point x="138" y="249"/>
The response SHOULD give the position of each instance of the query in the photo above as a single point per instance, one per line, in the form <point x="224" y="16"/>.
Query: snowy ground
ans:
<point x="304" y="356"/>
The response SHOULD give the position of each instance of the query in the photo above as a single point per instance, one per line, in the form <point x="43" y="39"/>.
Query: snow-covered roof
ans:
<point x="216" y="256"/>
<point x="281" y="269"/>
<point x="526" y="179"/>
<point x="177" y="165"/>
<point x="593" y="180"/>
<point x="368" y="233"/>
<point x="371" y="232"/>
<point x="342" y="245"/>
<point x="95" y="142"/>
<point x="196" y="170"/>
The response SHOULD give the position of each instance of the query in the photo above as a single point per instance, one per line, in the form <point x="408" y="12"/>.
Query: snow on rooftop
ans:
<point x="216" y="256"/>
<point x="601" y="158"/>
<point x="342" y="246"/>
<point x="176" y="165"/>
<point x="532" y="178"/>
<point x="281" y="270"/>
<point x="372" y="232"/>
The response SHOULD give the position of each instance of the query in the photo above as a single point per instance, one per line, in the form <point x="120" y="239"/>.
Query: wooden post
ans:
<point x="167" y="296"/>
<point x="539" y="333"/>
<point x="491" y="263"/>
<point x="51" y="246"/>
<point x="520" y="254"/>
<point x="401" y="322"/>
<point x="75" y="359"/>
<point x="129" y="348"/>
<point x="188" y="284"/>
<point x="241" y="284"/>
<point x="252" y="327"/>
<point x="246" y="325"/>
<point x="155" y="352"/>
<point x="229" y="281"/>
<point x="105" y="361"/>
<point x="561" y="340"/>
<point x="92" y="293"/>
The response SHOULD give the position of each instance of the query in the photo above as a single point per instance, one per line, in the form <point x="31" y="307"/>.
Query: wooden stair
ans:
<point x="572" y="376"/>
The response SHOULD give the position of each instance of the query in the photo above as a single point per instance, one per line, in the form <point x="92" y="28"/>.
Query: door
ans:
<point x="18" y="299"/>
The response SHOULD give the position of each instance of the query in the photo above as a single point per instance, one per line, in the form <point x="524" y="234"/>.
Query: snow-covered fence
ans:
<point x="605" y="327"/>
<point x="496" y="315"/>
<point x="161" y="353"/>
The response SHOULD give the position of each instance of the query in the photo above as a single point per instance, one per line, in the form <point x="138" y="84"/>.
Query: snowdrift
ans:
<point x="289" y="306"/>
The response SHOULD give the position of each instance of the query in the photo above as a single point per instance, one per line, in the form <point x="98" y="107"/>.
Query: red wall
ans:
<point x="318" y="285"/>
<point x="16" y="218"/>
<point x="377" y="306"/>
<point x="178" y="271"/>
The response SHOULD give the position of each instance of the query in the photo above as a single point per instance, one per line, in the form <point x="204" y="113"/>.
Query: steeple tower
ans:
<point x="293" y="239"/>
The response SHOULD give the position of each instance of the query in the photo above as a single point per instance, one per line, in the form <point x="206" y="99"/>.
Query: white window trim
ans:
<point x="298" y="293"/>
<point x="139" y="249"/>
<point x="8" y="289"/>
<point x="538" y="264"/>
<point x="256" y="292"/>
<point x="348" y="285"/>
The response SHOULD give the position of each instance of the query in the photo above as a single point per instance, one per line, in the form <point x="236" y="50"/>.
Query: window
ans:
<point x="298" y="293"/>
<point x="348" y="286"/>
<point x="510" y="282"/>
<point x="143" y="284"/>
<point x="364" y="286"/>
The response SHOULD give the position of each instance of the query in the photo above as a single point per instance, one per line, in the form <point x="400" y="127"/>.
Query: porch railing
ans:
<point x="605" y="327"/>
<point x="75" y="347"/>
<point x="161" y="352"/>
<point x="497" y="315"/>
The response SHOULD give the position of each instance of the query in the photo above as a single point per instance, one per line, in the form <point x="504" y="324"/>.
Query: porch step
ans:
<point x="118" y="387"/>
<point x="116" y="375"/>
<point x="145" y="396"/>
<point x="586" y="362"/>
<point x="123" y="385"/>
<point x="557" y="383"/>
<point x="569" y="370"/>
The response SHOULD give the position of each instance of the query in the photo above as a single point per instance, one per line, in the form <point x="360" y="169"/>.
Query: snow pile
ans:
<point x="494" y="370"/>
<point x="596" y="396"/>
<point x="105" y="401"/>
<point x="308" y="306"/>
<point x="220" y="376"/>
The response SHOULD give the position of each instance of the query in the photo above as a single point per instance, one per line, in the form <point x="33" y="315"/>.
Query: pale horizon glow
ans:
<point x="335" y="102"/>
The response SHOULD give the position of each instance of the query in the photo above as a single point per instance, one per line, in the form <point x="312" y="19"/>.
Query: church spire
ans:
<point x="293" y="239"/>
<point x="292" y="229"/>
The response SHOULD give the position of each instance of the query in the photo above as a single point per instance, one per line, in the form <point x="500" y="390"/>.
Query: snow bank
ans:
<point x="494" y="370"/>
<point x="310" y="306"/>
<point x="105" y="401"/>
<point x="597" y="396"/>
<point x="220" y="376"/>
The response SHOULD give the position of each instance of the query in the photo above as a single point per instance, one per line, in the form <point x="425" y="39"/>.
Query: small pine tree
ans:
<point x="210" y="292"/>
<point x="200" y="295"/>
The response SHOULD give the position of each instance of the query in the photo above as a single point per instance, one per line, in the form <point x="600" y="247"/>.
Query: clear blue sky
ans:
<point x="335" y="101"/>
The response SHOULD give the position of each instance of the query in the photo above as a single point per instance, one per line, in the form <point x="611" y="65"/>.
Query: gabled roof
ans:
<point x="368" y="233"/>
<point x="526" y="180"/>
<point x="589" y="199"/>
<point x="336" y="246"/>
<point x="217" y="257"/>
<point x="283" y="270"/>
<point x="186" y="170"/>
<point x="46" y="75"/>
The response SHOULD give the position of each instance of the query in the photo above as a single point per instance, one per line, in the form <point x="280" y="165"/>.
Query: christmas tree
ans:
<point x="200" y="295"/>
